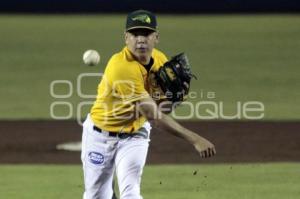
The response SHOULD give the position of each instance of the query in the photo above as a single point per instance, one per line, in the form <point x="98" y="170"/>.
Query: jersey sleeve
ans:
<point x="164" y="58"/>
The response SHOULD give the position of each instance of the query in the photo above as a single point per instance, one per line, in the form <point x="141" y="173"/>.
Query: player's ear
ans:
<point x="126" y="37"/>
<point x="156" y="38"/>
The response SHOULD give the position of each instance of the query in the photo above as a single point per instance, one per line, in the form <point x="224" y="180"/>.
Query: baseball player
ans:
<point x="116" y="133"/>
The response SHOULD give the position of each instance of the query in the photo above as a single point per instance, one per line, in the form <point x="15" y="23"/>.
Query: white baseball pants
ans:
<point x="102" y="155"/>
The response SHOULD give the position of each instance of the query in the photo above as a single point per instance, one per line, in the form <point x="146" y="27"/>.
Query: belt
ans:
<point x="141" y="132"/>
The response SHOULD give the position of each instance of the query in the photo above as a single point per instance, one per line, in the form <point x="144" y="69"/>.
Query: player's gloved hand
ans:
<point x="174" y="78"/>
<point x="204" y="147"/>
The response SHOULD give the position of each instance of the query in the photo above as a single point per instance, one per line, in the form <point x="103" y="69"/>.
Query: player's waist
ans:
<point x="142" y="132"/>
<point x="113" y="124"/>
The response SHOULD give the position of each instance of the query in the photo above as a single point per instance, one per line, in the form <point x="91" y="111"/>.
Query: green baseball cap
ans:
<point x="140" y="19"/>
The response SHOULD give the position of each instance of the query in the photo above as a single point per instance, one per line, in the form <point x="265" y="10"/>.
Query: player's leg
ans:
<point x="129" y="168"/>
<point x="97" y="156"/>
<point x="130" y="161"/>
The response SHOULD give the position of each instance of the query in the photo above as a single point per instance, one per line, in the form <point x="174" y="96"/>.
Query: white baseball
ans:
<point x="91" y="57"/>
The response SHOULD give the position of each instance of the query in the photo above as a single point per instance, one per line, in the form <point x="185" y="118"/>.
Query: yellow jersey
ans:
<point x="125" y="81"/>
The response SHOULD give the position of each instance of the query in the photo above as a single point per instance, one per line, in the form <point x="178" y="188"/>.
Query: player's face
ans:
<point x="141" y="43"/>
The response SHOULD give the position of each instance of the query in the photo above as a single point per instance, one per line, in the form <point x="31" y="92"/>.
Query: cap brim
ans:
<point x="141" y="27"/>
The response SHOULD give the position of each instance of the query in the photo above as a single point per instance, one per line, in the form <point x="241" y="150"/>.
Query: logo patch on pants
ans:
<point x="96" y="158"/>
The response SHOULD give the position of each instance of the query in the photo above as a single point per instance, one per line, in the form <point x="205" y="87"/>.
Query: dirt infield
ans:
<point x="35" y="142"/>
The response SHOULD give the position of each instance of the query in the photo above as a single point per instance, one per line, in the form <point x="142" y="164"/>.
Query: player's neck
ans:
<point x="144" y="60"/>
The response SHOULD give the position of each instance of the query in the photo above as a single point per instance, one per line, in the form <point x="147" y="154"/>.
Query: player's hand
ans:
<point x="205" y="148"/>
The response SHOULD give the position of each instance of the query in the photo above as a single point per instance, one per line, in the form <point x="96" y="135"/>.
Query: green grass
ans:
<point x="225" y="181"/>
<point x="240" y="58"/>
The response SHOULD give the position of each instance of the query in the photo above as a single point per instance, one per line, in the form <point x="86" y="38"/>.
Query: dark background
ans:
<point x="161" y="6"/>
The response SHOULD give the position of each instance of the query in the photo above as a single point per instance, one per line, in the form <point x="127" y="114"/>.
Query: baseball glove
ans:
<point x="174" y="78"/>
